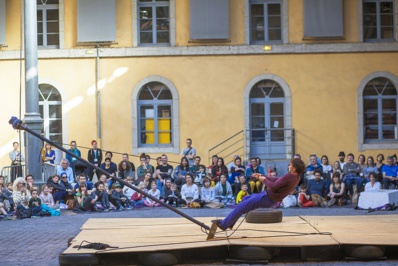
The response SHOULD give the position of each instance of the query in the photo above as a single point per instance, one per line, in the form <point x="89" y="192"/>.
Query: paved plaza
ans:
<point x="39" y="241"/>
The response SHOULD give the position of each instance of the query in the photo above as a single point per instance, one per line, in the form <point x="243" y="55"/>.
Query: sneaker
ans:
<point x="120" y="208"/>
<point x="130" y="208"/>
<point x="7" y="217"/>
<point x="324" y="204"/>
<point x="35" y="216"/>
<point x="106" y="210"/>
<point x="331" y="202"/>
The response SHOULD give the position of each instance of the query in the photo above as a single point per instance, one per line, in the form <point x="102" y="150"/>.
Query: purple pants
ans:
<point x="249" y="203"/>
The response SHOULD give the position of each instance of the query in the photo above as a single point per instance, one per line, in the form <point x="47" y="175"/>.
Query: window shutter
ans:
<point x="2" y="22"/>
<point x="323" y="18"/>
<point x="209" y="19"/>
<point x="96" y="21"/>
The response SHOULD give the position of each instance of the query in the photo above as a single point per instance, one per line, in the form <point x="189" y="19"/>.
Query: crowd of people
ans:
<point x="188" y="185"/>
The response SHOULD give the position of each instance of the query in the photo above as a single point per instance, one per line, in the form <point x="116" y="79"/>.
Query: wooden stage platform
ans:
<point x="308" y="238"/>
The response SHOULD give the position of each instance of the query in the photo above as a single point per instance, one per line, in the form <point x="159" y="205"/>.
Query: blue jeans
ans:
<point x="350" y="180"/>
<point x="387" y="182"/>
<point x="249" y="203"/>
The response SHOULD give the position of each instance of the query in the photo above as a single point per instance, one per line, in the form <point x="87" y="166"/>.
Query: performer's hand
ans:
<point x="256" y="175"/>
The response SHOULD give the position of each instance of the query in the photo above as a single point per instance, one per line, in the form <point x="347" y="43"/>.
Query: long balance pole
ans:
<point x="17" y="124"/>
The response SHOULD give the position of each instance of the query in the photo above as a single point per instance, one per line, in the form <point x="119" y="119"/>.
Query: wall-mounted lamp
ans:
<point x="267" y="47"/>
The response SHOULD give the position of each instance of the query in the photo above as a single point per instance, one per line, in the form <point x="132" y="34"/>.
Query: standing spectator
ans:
<point x="64" y="168"/>
<point x="48" y="154"/>
<point x="189" y="152"/>
<point x="341" y="159"/>
<point x="351" y="174"/>
<point x="379" y="165"/>
<point x="373" y="184"/>
<point x="390" y="174"/>
<point x="125" y="157"/>
<point x="314" y="165"/>
<point x="369" y="168"/>
<point x="73" y="162"/>
<point x="94" y="156"/>
<point x="16" y="159"/>
<point x="164" y="171"/>
<point x="255" y="184"/>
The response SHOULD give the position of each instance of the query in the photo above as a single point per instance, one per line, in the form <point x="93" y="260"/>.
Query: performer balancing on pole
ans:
<point x="276" y="190"/>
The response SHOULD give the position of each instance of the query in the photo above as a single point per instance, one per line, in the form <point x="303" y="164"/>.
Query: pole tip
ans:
<point x="15" y="122"/>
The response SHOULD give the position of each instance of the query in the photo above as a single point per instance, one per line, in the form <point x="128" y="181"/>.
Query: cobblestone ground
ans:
<point x="39" y="241"/>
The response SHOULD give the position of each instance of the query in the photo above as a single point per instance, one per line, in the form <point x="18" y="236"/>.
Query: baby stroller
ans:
<point x="79" y="168"/>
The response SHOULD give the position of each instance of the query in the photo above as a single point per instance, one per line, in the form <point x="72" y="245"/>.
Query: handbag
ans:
<point x="24" y="213"/>
<point x="71" y="204"/>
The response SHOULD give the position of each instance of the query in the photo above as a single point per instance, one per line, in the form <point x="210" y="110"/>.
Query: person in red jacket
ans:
<point x="276" y="190"/>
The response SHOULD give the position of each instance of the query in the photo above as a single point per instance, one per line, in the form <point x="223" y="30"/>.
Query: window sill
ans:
<point x="393" y="145"/>
<point x="157" y="149"/>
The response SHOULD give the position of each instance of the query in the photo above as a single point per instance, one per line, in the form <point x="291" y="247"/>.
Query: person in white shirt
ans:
<point x="373" y="184"/>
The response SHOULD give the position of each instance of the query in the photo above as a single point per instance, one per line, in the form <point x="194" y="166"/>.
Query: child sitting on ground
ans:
<point x="8" y="193"/>
<point x="137" y="198"/>
<point x="47" y="198"/>
<point x="35" y="204"/>
<point x="102" y="194"/>
<point x="207" y="193"/>
<point x="154" y="192"/>
<point x="85" y="201"/>
<point x="127" y="190"/>
<point x="3" y="211"/>
<point x="242" y="193"/>
<point x="119" y="199"/>
<point x="304" y="199"/>
<point x="173" y="196"/>
<point x="211" y="178"/>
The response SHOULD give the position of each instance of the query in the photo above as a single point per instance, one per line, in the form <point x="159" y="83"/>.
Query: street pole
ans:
<point x="32" y="116"/>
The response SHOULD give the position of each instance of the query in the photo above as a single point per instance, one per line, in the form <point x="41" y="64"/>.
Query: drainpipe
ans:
<point x="97" y="77"/>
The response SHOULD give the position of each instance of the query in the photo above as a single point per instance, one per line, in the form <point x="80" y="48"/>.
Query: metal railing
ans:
<point x="13" y="171"/>
<point x="235" y="144"/>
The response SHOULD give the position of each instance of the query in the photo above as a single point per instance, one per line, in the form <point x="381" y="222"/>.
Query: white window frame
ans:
<point x="379" y="145"/>
<point x="60" y="8"/>
<point x="175" y="127"/>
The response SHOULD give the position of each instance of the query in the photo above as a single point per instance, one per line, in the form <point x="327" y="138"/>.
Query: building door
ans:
<point x="267" y="121"/>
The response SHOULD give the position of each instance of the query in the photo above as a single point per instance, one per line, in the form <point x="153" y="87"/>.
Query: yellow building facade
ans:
<point x="314" y="89"/>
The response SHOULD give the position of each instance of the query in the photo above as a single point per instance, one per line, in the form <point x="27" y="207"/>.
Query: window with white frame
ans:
<point x="380" y="111"/>
<point x="154" y="115"/>
<point x="153" y="22"/>
<point x="378" y="20"/>
<point x="265" y="21"/>
<point x="48" y="23"/>
<point x="50" y="106"/>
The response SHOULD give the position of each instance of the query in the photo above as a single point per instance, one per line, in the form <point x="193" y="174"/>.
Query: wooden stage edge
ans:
<point x="149" y="234"/>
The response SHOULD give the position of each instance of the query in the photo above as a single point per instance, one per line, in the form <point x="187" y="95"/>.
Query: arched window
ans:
<point x="155" y="103"/>
<point x="380" y="111"/>
<point x="50" y="106"/>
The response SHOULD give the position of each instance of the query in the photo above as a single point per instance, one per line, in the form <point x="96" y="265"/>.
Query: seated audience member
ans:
<point x="314" y="165"/>
<point x="199" y="175"/>
<point x="351" y="174"/>
<point x="255" y="184"/>
<point x="30" y="182"/>
<point x="373" y="184"/>
<point x="207" y="193"/>
<point x="124" y="170"/>
<point x="84" y="200"/>
<point x="181" y="170"/>
<point x="20" y="194"/>
<point x="236" y="171"/>
<point x="164" y="171"/>
<point x="154" y="192"/>
<point x="125" y="157"/>
<point x="214" y="160"/>
<point x="196" y="164"/>
<point x="327" y="170"/>
<point x="316" y="188"/>
<point x="102" y="194"/>
<point x="362" y="164"/>
<point x="237" y="186"/>
<point x="109" y="167"/>
<point x="147" y="179"/>
<point x="59" y="191"/>
<point x="127" y="190"/>
<point x="65" y="168"/>
<point x="47" y="198"/>
<point x="35" y="204"/>
<point x="224" y="191"/>
<point x="144" y="167"/>
<point x="189" y="191"/>
<point x="369" y="168"/>
<point x="390" y="174"/>
<point x="303" y="199"/>
<point x="119" y="199"/>
<point x="219" y="169"/>
<point x="242" y="193"/>
<point x="341" y="159"/>
<point x="82" y="179"/>
<point x="6" y="195"/>
<point x="64" y="181"/>
<point x="173" y="196"/>
<point x="109" y="155"/>
<point x="137" y="200"/>
<point x="94" y="156"/>
<point x="166" y="188"/>
<point x="73" y="149"/>
<point x="336" y="191"/>
<point x="4" y="212"/>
